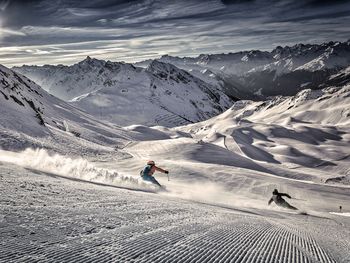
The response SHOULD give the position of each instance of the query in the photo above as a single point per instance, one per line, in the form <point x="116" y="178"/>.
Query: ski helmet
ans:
<point x="151" y="163"/>
<point x="275" y="192"/>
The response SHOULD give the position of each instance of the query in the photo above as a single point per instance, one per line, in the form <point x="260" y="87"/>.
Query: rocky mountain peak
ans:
<point x="167" y="71"/>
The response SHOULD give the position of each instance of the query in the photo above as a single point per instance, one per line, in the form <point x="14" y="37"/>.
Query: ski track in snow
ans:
<point x="50" y="219"/>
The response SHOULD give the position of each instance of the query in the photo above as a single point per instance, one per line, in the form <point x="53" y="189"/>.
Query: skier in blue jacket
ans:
<point x="148" y="171"/>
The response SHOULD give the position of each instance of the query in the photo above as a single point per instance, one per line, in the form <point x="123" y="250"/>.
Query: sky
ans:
<point x="38" y="32"/>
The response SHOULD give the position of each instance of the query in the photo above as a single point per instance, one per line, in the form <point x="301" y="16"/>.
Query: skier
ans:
<point x="277" y="198"/>
<point x="148" y="171"/>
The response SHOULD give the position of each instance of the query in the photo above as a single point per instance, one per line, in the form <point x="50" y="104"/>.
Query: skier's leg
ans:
<point x="147" y="178"/>
<point x="153" y="180"/>
<point x="291" y="207"/>
<point x="288" y="206"/>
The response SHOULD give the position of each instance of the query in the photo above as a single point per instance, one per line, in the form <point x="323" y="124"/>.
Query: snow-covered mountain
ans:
<point x="31" y="117"/>
<point x="124" y="94"/>
<point x="257" y="74"/>
<point x="173" y="91"/>
<point x="68" y="82"/>
<point x="232" y="64"/>
<point x="341" y="78"/>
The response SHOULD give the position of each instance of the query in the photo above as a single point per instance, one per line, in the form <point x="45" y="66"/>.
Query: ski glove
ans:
<point x="166" y="172"/>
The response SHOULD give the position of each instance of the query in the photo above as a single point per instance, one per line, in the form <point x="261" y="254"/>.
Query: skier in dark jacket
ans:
<point x="148" y="171"/>
<point x="277" y="198"/>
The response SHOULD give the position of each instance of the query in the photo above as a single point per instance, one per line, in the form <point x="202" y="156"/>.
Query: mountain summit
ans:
<point x="121" y="93"/>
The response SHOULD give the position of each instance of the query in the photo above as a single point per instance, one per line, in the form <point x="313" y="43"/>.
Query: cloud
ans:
<point x="325" y="2"/>
<point x="8" y="32"/>
<point x="231" y="2"/>
<point x="3" y="5"/>
<point x="132" y="30"/>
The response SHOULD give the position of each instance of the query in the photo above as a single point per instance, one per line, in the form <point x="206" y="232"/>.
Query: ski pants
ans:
<point x="151" y="179"/>
<point x="286" y="205"/>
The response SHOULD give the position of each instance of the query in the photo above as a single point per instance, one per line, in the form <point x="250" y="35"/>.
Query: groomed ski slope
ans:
<point x="50" y="218"/>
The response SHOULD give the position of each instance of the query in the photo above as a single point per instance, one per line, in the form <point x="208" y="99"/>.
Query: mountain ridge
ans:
<point x="161" y="94"/>
<point x="256" y="74"/>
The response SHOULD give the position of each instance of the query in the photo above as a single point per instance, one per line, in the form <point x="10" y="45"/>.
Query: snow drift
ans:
<point x="286" y="134"/>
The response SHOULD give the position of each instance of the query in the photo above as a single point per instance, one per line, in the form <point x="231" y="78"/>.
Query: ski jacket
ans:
<point x="150" y="169"/>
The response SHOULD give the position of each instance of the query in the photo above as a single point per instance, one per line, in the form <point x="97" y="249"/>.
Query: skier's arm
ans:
<point x="286" y="195"/>
<point x="161" y="170"/>
<point x="270" y="201"/>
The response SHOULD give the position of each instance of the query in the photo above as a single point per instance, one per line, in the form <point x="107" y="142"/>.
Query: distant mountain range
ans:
<point x="173" y="91"/>
<point x="257" y="74"/>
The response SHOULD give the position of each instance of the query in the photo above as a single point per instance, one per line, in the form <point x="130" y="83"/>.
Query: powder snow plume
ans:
<point x="78" y="168"/>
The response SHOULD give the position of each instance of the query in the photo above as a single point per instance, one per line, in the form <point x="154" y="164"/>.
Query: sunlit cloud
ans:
<point x="4" y="4"/>
<point x="8" y="32"/>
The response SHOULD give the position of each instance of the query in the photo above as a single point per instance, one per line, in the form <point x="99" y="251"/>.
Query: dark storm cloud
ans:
<point x="87" y="13"/>
<point x="63" y="13"/>
<point x="64" y="31"/>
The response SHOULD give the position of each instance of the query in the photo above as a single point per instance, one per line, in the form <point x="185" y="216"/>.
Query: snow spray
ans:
<point x="79" y="168"/>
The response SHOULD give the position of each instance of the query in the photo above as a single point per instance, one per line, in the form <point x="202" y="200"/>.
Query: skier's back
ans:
<point x="277" y="198"/>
